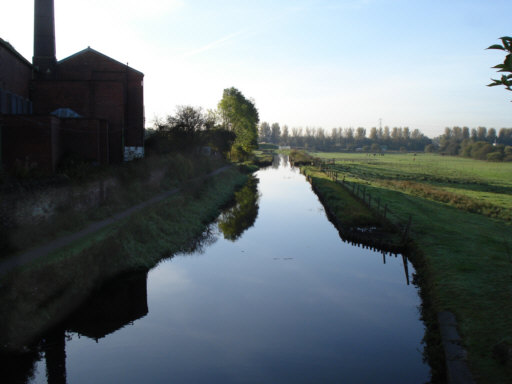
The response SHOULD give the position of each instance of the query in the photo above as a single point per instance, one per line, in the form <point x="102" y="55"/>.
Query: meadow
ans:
<point x="476" y="186"/>
<point x="461" y="226"/>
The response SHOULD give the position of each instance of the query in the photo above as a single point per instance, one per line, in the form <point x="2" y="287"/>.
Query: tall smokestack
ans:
<point x="44" y="38"/>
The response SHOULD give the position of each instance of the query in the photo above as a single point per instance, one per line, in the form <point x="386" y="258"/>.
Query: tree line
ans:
<point x="478" y="143"/>
<point x="345" y="139"/>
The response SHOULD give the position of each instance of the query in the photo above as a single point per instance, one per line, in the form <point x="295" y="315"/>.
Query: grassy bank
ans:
<point x="43" y="293"/>
<point x="355" y="221"/>
<point x="464" y="241"/>
<point x="130" y="183"/>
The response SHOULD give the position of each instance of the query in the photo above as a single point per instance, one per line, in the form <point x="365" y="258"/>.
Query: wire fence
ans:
<point x="364" y="194"/>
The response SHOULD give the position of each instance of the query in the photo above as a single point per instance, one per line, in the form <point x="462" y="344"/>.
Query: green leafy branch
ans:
<point x="506" y="67"/>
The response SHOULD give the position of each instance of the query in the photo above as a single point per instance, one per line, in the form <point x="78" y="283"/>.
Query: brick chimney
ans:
<point x="44" y="39"/>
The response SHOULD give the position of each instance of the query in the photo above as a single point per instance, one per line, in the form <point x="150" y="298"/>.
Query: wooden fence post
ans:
<point x="406" y="231"/>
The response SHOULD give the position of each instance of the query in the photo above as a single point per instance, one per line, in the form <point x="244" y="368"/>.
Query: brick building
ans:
<point x="88" y="105"/>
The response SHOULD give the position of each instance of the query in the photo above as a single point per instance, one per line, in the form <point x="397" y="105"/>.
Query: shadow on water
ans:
<point x="120" y="302"/>
<point x="117" y="304"/>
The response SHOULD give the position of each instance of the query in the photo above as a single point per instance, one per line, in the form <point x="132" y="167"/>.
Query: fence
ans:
<point x="361" y="192"/>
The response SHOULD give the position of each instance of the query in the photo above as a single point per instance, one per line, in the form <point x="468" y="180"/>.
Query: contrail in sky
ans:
<point x="246" y="31"/>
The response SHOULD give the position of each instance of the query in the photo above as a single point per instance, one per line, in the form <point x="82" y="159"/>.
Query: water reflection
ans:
<point x="202" y="242"/>
<point x="236" y="220"/>
<point x="117" y="304"/>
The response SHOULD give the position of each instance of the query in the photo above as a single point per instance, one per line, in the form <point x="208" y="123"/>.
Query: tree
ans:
<point x="506" y="67"/>
<point x="491" y="135"/>
<point x="265" y="132"/>
<point x="275" y="133"/>
<point x="240" y="116"/>
<point x="186" y="121"/>
<point x="360" y="134"/>
<point x="180" y="131"/>
<point x="481" y="133"/>
<point x="285" y="135"/>
<point x="373" y="134"/>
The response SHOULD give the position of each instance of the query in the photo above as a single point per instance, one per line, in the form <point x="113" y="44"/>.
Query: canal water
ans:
<point x="270" y="294"/>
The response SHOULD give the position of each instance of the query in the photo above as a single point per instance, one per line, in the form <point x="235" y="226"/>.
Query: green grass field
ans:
<point x="461" y="225"/>
<point x="473" y="185"/>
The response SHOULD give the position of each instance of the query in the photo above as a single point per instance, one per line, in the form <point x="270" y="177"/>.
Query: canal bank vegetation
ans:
<point x="464" y="241"/>
<point x="354" y="219"/>
<point x="40" y="295"/>
<point x="35" y="216"/>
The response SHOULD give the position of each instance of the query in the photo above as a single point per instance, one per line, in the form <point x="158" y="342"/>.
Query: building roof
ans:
<point x="10" y="48"/>
<point x="66" y="113"/>
<point x="93" y="51"/>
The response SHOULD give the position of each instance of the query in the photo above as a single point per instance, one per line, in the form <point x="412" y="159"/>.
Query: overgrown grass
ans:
<point x="300" y="157"/>
<point x="467" y="256"/>
<point x="39" y="295"/>
<point x="263" y="158"/>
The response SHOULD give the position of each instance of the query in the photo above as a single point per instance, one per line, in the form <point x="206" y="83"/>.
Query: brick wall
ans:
<point x="15" y="77"/>
<point x="85" y="138"/>
<point x="30" y="141"/>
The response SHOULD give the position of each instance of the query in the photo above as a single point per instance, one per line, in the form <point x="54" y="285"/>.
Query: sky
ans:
<point x="316" y="63"/>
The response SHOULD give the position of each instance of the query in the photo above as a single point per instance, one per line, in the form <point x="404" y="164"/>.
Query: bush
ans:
<point x="495" y="156"/>
<point x="429" y="148"/>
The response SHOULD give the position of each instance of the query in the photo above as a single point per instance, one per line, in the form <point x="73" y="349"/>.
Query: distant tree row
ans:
<point x="344" y="139"/>
<point x="478" y="143"/>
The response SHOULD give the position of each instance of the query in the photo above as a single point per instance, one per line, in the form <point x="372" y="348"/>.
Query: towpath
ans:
<point x="43" y="250"/>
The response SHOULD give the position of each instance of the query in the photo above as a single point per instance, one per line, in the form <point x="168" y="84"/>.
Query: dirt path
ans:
<point x="45" y="249"/>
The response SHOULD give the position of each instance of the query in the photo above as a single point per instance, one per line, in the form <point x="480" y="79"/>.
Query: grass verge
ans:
<point x="133" y="185"/>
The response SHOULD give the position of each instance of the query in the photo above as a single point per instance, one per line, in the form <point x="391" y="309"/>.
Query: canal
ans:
<point x="269" y="294"/>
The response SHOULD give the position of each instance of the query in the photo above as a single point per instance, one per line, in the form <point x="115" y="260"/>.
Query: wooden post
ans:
<point x="406" y="269"/>
<point x="406" y="231"/>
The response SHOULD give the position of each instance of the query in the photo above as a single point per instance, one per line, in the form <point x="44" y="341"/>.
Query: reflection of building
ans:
<point x="88" y="105"/>
<point x="119" y="303"/>
<point x="116" y="305"/>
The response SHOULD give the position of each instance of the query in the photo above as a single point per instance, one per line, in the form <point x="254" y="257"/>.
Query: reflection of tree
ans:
<point x="242" y="215"/>
<point x="200" y="243"/>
